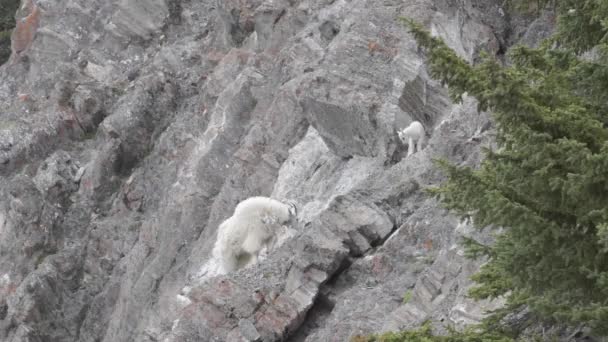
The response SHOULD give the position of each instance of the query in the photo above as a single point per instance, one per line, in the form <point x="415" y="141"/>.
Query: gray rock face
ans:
<point x="129" y="131"/>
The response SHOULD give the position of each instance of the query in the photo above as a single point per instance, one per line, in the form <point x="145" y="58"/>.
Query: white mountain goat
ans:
<point x="414" y="133"/>
<point x="253" y="226"/>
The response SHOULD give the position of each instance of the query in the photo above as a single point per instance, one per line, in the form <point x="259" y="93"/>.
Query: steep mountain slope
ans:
<point x="130" y="129"/>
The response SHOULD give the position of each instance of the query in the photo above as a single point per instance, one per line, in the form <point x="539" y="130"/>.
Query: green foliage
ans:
<point x="548" y="182"/>
<point x="7" y="13"/>
<point x="5" y="45"/>
<point x="424" y="334"/>
<point x="407" y="297"/>
<point x="582" y="23"/>
<point x="7" y="23"/>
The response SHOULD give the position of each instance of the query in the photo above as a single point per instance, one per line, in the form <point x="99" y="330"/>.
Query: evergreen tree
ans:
<point x="7" y="23"/>
<point x="547" y="184"/>
<point x="424" y="334"/>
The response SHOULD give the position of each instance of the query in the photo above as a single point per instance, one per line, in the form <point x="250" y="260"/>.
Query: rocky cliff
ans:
<point x="129" y="129"/>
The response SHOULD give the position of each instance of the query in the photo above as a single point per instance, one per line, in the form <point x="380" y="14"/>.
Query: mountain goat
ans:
<point x="413" y="133"/>
<point x="253" y="226"/>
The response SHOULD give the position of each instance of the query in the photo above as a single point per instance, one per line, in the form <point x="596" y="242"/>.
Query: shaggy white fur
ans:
<point x="252" y="227"/>
<point x="413" y="133"/>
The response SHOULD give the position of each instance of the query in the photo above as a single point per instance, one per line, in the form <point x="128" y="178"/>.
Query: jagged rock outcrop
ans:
<point x="130" y="129"/>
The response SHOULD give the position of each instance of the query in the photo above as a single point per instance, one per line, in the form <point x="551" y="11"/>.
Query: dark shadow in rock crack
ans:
<point x="329" y="30"/>
<point x="321" y="309"/>
<point x="424" y="101"/>
<point x="239" y="31"/>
